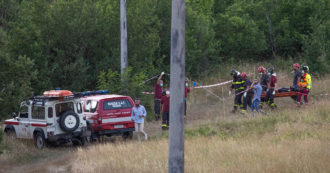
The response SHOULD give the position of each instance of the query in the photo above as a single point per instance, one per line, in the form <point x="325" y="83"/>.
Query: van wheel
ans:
<point x="69" y="121"/>
<point x="128" y="135"/>
<point x="39" y="140"/>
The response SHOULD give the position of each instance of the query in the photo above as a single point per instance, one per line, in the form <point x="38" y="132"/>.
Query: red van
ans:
<point x="109" y="115"/>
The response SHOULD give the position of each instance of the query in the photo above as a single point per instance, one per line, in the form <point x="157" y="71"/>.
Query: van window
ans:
<point x="63" y="107"/>
<point x="79" y="109"/>
<point x="38" y="112"/>
<point x="50" y="112"/>
<point x="91" y="106"/>
<point x="116" y="104"/>
<point x="24" y="112"/>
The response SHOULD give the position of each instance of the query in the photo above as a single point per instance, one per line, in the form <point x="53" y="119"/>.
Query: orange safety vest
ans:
<point x="303" y="81"/>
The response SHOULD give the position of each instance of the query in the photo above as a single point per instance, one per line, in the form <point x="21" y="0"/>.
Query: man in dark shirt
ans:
<point x="237" y="85"/>
<point x="297" y="75"/>
<point x="271" y="88"/>
<point x="264" y="80"/>
<point x="247" y="96"/>
<point x="158" y="95"/>
<point x="186" y="91"/>
<point x="165" y="108"/>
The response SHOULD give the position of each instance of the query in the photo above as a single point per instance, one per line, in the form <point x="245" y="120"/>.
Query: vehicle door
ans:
<point x="59" y="109"/>
<point x="38" y="118"/>
<point x="51" y="120"/>
<point x="23" y="128"/>
<point x="90" y="110"/>
<point x="116" y="113"/>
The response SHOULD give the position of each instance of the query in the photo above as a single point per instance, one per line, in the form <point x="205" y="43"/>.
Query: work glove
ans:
<point x="162" y="73"/>
<point x="244" y="94"/>
<point x="274" y="92"/>
<point x="229" y="92"/>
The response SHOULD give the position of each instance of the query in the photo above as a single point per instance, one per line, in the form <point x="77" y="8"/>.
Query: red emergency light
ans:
<point x="57" y="93"/>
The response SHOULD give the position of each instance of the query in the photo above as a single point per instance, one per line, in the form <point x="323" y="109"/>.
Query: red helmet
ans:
<point x="296" y="65"/>
<point x="243" y="75"/>
<point x="261" y="69"/>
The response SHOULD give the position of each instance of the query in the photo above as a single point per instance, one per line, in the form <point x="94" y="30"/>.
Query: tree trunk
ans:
<point x="176" y="141"/>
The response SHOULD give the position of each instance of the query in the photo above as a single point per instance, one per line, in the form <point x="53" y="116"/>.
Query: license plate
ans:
<point x="119" y="126"/>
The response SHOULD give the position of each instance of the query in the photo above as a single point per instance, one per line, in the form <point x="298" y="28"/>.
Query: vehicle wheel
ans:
<point x="78" y="141"/>
<point x="69" y="121"/>
<point x="10" y="132"/>
<point x="39" y="140"/>
<point x="128" y="135"/>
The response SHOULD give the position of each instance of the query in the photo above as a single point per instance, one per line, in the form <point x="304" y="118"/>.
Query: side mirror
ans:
<point x="14" y="115"/>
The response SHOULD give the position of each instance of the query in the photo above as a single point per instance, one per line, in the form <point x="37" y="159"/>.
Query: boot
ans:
<point x="234" y="109"/>
<point x="298" y="104"/>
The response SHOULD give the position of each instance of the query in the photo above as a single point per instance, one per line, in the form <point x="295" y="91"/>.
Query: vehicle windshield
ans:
<point x="91" y="106"/>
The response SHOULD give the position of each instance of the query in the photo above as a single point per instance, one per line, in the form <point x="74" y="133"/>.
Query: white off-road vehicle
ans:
<point x="54" y="118"/>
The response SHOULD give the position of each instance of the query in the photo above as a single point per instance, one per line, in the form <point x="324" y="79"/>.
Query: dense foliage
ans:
<point x="75" y="44"/>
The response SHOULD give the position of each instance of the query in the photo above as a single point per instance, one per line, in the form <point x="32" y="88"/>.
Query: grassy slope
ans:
<point x="286" y="140"/>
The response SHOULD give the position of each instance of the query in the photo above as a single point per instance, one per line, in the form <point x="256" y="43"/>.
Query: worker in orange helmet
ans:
<point x="264" y="80"/>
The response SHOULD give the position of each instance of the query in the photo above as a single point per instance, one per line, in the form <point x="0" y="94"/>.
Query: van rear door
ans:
<point x="116" y="113"/>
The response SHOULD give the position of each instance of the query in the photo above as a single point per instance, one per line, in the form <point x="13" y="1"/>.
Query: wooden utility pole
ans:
<point x="123" y="40"/>
<point x="176" y="141"/>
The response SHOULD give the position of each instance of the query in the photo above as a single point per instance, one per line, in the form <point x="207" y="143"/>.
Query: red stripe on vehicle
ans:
<point x="39" y="125"/>
<point x="11" y="123"/>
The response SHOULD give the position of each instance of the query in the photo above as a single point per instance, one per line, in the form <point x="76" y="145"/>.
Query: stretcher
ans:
<point x="282" y="92"/>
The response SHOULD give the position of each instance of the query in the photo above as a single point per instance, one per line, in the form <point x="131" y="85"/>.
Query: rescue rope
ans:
<point x="213" y="85"/>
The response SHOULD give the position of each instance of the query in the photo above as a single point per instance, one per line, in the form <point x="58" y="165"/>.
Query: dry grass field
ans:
<point x="285" y="140"/>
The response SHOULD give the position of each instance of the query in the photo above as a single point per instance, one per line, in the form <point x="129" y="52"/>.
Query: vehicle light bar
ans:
<point x="88" y="93"/>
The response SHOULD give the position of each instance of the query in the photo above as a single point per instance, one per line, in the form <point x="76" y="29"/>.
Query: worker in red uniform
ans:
<point x="165" y="110"/>
<point x="270" y="94"/>
<point x="158" y="95"/>
<point x="186" y="91"/>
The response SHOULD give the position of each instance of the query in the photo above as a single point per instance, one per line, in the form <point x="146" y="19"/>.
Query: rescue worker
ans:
<point x="263" y="82"/>
<point x="237" y="85"/>
<point x="270" y="94"/>
<point x="296" y="76"/>
<point x="305" y="85"/>
<point x="264" y="78"/>
<point x="165" y="110"/>
<point x="247" y="96"/>
<point x="158" y="95"/>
